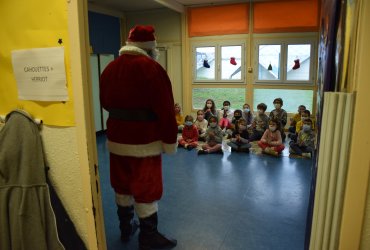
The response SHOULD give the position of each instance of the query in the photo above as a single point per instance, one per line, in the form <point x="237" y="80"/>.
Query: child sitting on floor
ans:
<point x="213" y="138"/>
<point x="305" y="115"/>
<point x="271" y="142"/>
<point x="247" y="115"/>
<point x="209" y="109"/>
<point x="280" y="115"/>
<point x="189" y="139"/>
<point x="225" y="116"/>
<point x="296" y="118"/>
<point x="260" y="123"/>
<point x="179" y="117"/>
<point x="239" y="141"/>
<point x="201" y="125"/>
<point x="305" y="140"/>
<point x="234" y="122"/>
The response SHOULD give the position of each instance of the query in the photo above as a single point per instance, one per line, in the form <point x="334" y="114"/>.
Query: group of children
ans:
<point x="240" y="127"/>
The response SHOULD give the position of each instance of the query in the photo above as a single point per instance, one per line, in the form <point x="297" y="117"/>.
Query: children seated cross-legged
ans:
<point x="201" y="125"/>
<point x="271" y="142"/>
<point x="296" y="118"/>
<point x="305" y="140"/>
<point x="239" y="141"/>
<point x="234" y="122"/>
<point x="179" y="117"/>
<point x="247" y="115"/>
<point x="225" y="116"/>
<point x="209" y="109"/>
<point x="260" y="123"/>
<point x="305" y="115"/>
<point x="189" y="139"/>
<point x="213" y="138"/>
<point x="280" y="115"/>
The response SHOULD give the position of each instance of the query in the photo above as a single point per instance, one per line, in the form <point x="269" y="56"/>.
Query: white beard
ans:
<point x="154" y="54"/>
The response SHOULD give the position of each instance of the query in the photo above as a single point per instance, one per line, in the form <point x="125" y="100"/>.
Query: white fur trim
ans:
<point x="132" y="49"/>
<point x="144" y="210"/>
<point x="143" y="45"/>
<point x="124" y="200"/>
<point x="169" y="148"/>
<point x="142" y="150"/>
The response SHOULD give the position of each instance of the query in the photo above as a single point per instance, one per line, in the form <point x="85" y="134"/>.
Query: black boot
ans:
<point x="150" y="238"/>
<point x="127" y="225"/>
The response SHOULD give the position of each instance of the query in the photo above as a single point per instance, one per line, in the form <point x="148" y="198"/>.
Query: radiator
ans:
<point x="331" y="170"/>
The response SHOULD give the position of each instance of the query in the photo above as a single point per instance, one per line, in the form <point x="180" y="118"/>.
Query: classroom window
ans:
<point x="236" y="96"/>
<point x="291" y="98"/>
<point x="298" y="62"/>
<point x="231" y="58"/>
<point x="282" y="65"/>
<point x="205" y="63"/>
<point x="218" y="63"/>
<point x="269" y="62"/>
<point x="287" y="62"/>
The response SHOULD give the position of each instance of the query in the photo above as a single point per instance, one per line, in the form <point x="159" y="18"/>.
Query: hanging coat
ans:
<point x="26" y="217"/>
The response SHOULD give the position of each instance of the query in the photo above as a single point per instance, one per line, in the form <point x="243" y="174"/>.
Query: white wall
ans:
<point x="60" y="149"/>
<point x="167" y="23"/>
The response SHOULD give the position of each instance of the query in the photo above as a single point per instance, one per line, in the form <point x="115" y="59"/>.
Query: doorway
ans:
<point x="311" y="196"/>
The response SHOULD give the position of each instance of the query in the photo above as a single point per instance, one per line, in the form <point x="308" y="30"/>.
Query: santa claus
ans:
<point x="137" y="93"/>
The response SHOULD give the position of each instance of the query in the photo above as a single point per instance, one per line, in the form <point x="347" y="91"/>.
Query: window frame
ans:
<point x="251" y="41"/>
<point x="218" y="61"/>
<point x="272" y="39"/>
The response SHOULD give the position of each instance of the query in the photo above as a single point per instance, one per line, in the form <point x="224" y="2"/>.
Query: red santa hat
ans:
<point x="142" y="36"/>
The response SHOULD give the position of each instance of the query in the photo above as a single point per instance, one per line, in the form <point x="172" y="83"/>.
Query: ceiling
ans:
<point x="141" y="5"/>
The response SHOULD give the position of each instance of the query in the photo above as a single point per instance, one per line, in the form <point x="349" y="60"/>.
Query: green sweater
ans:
<point x="27" y="220"/>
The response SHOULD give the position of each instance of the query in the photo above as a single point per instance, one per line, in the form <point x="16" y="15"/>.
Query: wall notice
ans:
<point x="40" y="74"/>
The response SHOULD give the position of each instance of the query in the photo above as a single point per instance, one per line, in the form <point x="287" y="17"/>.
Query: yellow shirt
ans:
<point x="299" y="125"/>
<point x="296" y="118"/>
<point x="179" y="119"/>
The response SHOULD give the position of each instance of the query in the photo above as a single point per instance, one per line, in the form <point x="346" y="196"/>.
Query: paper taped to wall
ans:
<point x="40" y="74"/>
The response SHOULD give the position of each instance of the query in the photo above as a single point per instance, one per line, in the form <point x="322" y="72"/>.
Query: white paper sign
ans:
<point x="40" y="74"/>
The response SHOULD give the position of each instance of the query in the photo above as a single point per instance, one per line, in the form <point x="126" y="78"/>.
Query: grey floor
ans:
<point x="226" y="202"/>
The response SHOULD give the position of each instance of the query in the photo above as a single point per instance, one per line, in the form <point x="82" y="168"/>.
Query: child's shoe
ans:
<point x="202" y="152"/>
<point x="266" y="150"/>
<point x="189" y="147"/>
<point x="270" y="151"/>
<point x="295" y="156"/>
<point x="306" y="155"/>
<point x="274" y="153"/>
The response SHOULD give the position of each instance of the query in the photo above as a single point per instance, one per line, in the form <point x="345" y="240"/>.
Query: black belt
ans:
<point x="132" y="114"/>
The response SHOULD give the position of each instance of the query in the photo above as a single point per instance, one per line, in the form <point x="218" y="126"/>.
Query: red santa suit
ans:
<point x="137" y="93"/>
